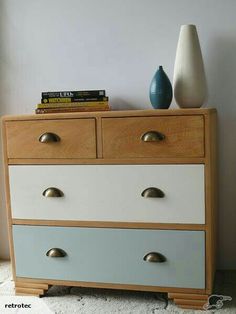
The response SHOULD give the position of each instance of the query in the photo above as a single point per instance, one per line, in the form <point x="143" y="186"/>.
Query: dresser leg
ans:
<point x="30" y="288"/>
<point x="189" y="301"/>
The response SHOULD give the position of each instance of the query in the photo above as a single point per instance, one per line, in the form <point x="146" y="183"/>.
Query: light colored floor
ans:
<point x="67" y="300"/>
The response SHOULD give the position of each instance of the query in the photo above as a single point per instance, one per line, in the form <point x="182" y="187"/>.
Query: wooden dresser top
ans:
<point x="112" y="113"/>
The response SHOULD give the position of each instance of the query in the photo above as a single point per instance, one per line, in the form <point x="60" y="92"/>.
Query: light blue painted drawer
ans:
<point x="111" y="255"/>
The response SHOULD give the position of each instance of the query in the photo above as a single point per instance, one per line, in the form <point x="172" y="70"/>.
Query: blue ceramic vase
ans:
<point x="160" y="92"/>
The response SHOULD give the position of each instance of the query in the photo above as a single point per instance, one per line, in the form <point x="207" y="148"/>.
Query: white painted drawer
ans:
<point x="109" y="193"/>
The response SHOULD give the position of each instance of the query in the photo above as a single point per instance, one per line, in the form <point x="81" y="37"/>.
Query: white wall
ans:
<point x="117" y="45"/>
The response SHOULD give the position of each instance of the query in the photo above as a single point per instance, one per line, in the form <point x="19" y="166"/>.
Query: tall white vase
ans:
<point x="189" y="83"/>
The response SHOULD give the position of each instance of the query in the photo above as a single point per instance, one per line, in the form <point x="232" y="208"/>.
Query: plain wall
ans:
<point x="48" y="45"/>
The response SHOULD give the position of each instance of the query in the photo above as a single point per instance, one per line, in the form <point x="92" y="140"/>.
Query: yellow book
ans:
<point x="72" y="99"/>
<point x="72" y="109"/>
<point x="74" y="104"/>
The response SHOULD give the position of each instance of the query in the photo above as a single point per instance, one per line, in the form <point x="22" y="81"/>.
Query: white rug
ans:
<point x="67" y="300"/>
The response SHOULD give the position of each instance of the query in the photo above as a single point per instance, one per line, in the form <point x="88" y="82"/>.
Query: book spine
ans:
<point x="71" y="99"/>
<point x="74" y="104"/>
<point x="73" y="109"/>
<point x="82" y="93"/>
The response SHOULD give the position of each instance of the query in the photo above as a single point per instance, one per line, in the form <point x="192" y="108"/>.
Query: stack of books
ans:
<point x="73" y="101"/>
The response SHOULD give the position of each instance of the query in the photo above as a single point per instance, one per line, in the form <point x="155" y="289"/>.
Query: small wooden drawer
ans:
<point x="119" y="193"/>
<point x="69" y="138"/>
<point x="111" y="255"/>
<point x="172" y="136"/>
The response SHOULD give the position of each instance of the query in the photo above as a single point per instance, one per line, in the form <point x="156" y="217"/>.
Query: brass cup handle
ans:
<point x="56" y="252"/>
<point x="49" y="137"/>
<point x="53" y="192"/>
<point x="154" y="257"/>
<point x="152" y="136"/>
<point x="153" y="192"/>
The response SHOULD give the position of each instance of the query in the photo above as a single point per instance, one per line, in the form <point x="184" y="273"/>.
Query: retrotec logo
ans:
<point x="23" y="305"/>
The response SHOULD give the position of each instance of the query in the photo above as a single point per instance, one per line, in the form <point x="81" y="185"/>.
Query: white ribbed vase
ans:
<point x="189" y="83"/>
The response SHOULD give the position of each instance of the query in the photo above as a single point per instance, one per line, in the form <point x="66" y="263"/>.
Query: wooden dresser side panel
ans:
<point x="211" y="198"/>
<point x="7" y="197"/>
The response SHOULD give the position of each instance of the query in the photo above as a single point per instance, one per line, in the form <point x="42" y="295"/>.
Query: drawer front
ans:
<point x="76" y="139"/>
<point x="183" y="137"/>
<point x="109" y="193"/>
<point x="111" y="255"/>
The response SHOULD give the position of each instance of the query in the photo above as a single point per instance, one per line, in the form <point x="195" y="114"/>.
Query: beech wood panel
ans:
<point x="188" y="296"/>
<point x="77" y="139"/>
<point x="30" y="288"/>
<point x="189" y="300"/>
<point x="28" y="291"/>
<point x="32" y="285"/>
<point x="99" y="137"/>
<point x="110" y="285"/>
<point x="184" y="137"/>
<point x="112" y="113"/>
<point x="211" y="199"/>
<point x="105" y="161"/>
<point x="108" y="224"/>
<point x="7" y="200"/>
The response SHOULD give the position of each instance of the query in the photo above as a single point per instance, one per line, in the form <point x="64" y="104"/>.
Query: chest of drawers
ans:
<point x="121" y="199"/>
